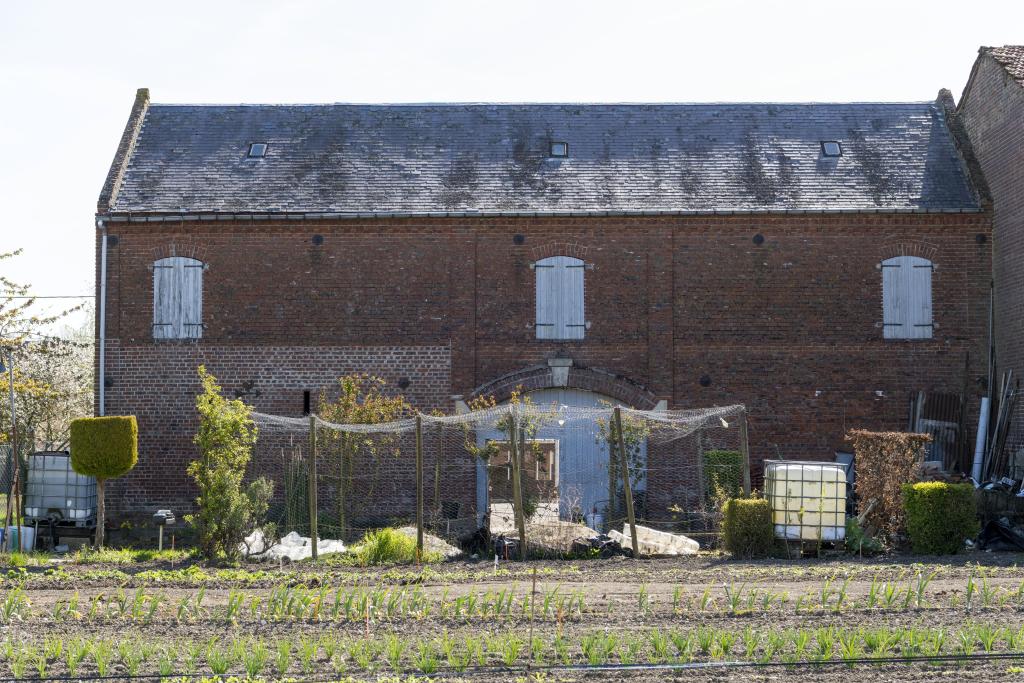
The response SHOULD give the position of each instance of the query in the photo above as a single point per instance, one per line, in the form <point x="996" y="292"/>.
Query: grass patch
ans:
<point x="124" y="556"/>
<point x="32" y="559"/>
<point x="388" y="546"/>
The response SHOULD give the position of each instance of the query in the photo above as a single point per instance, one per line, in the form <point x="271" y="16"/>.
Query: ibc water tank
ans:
<point x="808" y="499"/>
<point x="54" y="491"/>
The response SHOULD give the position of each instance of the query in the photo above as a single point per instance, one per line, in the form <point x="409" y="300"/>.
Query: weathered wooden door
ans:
<point x="540" y="472"/>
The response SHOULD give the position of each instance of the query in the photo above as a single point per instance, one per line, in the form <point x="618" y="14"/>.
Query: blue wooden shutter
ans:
<point x="920" y="298"/>
<point x="560" y="311"/>
<point x="893" y="298"/>
<point x="177" y="298"/>
<point x="191" y="299"/>
<point x="164" y="307"/>
<point x="574" y="317"/>
<point x="907" y="297"/>
<point x="547" y="277"/>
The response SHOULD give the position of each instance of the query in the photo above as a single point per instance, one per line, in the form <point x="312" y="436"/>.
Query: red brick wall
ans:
<point x="790" y="327"/>
<point x="158" y="383"/>
<point x="993" y="114"/>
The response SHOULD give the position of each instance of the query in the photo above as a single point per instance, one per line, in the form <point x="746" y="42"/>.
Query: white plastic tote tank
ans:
<point x="808" y="499"/>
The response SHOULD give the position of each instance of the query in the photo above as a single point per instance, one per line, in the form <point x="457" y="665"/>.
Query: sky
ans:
<point x="69" y="71"/>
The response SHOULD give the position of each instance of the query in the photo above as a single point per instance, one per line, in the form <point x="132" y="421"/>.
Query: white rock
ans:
<point x="653" y="542"/>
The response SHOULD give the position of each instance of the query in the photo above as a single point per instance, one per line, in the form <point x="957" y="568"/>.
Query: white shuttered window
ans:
<point x="178" y="298"/>
<point x="907" y="297"/>
<point x="560" y="298"/>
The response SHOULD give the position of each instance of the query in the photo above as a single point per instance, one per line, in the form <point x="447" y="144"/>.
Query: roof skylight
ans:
<point x="559" y="149"/>
<point x="257" y="150"/>
<point x="831" y="148"/>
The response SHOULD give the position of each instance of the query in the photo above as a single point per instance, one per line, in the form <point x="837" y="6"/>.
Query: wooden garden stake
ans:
<point x="341" y="484"/>
<point x="517" y="491"/>
<point x="630" y="515"/>
<point x="522" y="482"/>
<point x="613" y="477"/>
<point x="533" y="604"/>
<point x="419" y="487"/>
<point x="745" y="451"/>
<point x="437" y="476"/>
<point x="312" y="486"/>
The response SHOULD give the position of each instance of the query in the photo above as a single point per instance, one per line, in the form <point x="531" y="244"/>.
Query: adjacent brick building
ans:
<point x="991" y="112"/>
<point x="726" y="254"/>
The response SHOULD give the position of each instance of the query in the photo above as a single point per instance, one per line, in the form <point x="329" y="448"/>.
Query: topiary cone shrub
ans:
<point x="747" y="529"/>
<point x="104" y="448"/>
<point x="940" y="516"/>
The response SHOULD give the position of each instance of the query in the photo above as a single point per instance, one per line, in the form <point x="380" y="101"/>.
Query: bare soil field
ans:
<point x="695" y="618"/>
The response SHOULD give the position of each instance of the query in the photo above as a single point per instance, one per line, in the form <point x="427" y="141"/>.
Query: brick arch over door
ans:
<point x="574" y="248"/>
<point x="897" y="246"/>
<point x="538" y="377"/>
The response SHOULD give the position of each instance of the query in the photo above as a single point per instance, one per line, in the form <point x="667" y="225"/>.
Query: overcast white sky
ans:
<point x="69" y="70"/>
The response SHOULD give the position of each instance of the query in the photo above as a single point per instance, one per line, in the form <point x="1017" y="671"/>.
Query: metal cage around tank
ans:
<point x="807" y="499"/>
<point x="56" y="493"/>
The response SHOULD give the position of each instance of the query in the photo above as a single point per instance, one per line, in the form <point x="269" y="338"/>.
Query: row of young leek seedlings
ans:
<point x="298" y="603"/>
<point x="833" y="596"/>
<point x="256" y="657"/>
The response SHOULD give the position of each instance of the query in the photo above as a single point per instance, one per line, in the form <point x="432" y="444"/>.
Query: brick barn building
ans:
<point x="991" y="112"/>
<point x="820" y="263"/>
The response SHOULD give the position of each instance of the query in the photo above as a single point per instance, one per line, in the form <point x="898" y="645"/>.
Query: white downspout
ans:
<point x="103" y="315"/>
<point x="979" y="444"/>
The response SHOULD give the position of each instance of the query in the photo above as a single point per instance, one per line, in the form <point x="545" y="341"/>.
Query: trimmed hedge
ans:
<point x="747" y="529"/>
<point x="723" y="471"/>
<point x="104" y="447"/>
<point x="940" y="516"/>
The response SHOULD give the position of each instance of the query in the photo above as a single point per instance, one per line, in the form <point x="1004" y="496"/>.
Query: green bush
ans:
<point x="104" y="448"/>
<point x="227" y="511"/>
<point x="387" y="546"/>
<point x="747" y="527"/>
<point x="723" y="472"/>
<point x="940" y="516"/>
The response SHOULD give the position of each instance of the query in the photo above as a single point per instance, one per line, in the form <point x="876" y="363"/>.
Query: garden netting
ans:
<point x="681" y="465"/>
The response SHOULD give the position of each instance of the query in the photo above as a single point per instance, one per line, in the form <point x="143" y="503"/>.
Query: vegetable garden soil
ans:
<point x="798" y="619"/>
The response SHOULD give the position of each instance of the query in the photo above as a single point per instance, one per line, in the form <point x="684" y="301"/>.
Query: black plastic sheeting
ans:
<point x="998" y="535"/>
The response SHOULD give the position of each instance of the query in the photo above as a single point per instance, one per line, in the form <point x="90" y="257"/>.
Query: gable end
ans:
<point x="117" y="167"/>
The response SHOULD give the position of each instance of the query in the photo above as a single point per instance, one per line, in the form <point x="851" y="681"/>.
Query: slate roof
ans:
<point x="1011" y="58"/>
<point x="341" y="158"/>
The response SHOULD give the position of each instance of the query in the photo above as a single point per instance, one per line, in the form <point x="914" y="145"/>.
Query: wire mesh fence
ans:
<point x="552" y="473"/>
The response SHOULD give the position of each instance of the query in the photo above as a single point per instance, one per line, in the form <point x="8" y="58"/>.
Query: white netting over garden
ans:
<point x="458" y="474"/>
